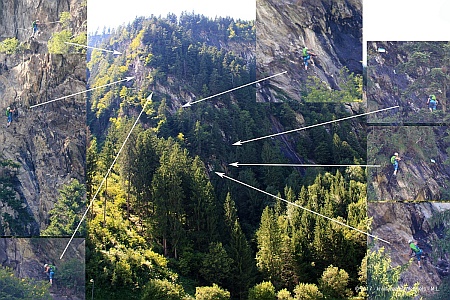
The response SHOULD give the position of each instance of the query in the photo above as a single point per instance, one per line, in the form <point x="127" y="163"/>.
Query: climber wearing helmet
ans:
<point x="50" y="270"/>
<point x="415" y="250"/>
<point x="35" y="27"/>
<point x="9" y="114"/>
<point x="307" y="56"/>
<point x="432" y="103"/>
<point x="394" y="161"/>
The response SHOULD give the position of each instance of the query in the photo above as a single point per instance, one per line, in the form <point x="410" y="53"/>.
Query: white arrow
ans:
<point x="126" y="79"/>
<point x="237" y="165"/>
<point x="149" y="98"/>
<point x="239" y="143"/>
<point x="114" y="52"/>
<point x="233" y="89"/>
<point x="222" y="175"/>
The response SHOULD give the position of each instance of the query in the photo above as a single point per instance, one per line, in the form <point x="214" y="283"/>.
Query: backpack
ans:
<point x="7" y="112"/>
<point x="305" y="52"/>
<point x="414" y="247"/>
<point x="52" y="268"/>
<point x="393" y="159"/>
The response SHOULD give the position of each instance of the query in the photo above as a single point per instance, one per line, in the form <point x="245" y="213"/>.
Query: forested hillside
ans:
<point x="164" y="223"/>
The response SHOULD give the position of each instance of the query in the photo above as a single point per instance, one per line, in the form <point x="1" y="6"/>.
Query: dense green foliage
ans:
<point x="383" y="279"/>
<point x="14" y="216"/>
<point x="71" y="275"/>
<point x="12" y="46"/>
<point x="318" y="91"/>
<point x="163" y="222"/>
<point x="57" y="43"/>
<point x="12" y="287"/>
<point x="211" y="293"/>
<point x="68" y="210"/>
<point x="441" y="221"/>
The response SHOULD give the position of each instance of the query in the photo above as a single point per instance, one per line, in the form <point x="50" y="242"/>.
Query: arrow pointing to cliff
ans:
<point x="233" y="89"/>
<point x="222" y="175"/>
<point x="239" y="143"/>
<point x="237" y="165"/>
<point x="149" y="98"/>
<point x="82" y="92"/>
<point x="111" y="51"/>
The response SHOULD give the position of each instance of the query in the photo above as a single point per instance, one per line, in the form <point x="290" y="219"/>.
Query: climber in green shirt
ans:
<point x="9" y="115"/>
<point x="50" y="271"/>
<point x="35" y="28"/>
<point x="432" y="103"/>
<point x="415" y="250"/>
<point x="394" y="161"/>
<point x="307" y="56"/>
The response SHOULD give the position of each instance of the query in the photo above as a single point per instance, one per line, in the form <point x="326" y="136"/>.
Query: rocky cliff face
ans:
<point x="423" y="173"/>
<point x="17" y="17"/>
<point x="48" y="141"/>
<point x="400" y="222"/>
<point x="405" y="74"/>
<point x="331" y="28"/>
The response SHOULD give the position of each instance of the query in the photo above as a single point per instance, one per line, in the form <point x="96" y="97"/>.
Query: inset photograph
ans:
<point x="317" y="43"/>
<point x="415" y="251"/>
<point x="412" y="75"/>
<point x="31" y="268"/>
<point x="414" y="163"/>
<point x="43" y="138"/>
<point x="30" y="27"/>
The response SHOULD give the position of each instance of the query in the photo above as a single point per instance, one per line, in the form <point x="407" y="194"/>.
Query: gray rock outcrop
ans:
<point x="333" y="29"/>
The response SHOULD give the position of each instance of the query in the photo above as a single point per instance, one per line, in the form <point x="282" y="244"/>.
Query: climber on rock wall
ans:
<point x="394" y="161"/>
<point x="50" y="270"/>
<point x="9" y="114"/>
<point x="307" y="56"/>
<point x="432" y="103"/>
<point x="35" y="28"/>
<point x="415" y="250"/>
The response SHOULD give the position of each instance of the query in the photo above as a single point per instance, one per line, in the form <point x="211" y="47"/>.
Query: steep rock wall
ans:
<point x="332" y="28"/>
<point x="27" y="256"/>
<point x="47" y="141"/>
<point x="16" y="16"/>
<point x="400" y="222"/>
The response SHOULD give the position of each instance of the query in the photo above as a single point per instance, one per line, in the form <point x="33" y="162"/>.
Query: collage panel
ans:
<point x="43" y="149"/>
<point x="43" y="134"/>
<point x="42" y="27"/>
<point x="413" y="163"/>
<point x="411" y="75"/>
<point x="166" y="211"/>
<point x="31" y="268"/>
<point x="414" y="248"/>
<point x="317" y="43"/>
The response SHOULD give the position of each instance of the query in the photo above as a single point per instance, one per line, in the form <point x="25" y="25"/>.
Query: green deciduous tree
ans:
<point x="262" y="291"/>
<point x="333" y="283"/>
<point x="56" y="43"/>
<point x="13" y="288"/>
<point x="383" y="279"/>
<point x="157" y="289"/>
<point x="213" y="292"/>
<point x="307" y="291"/>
